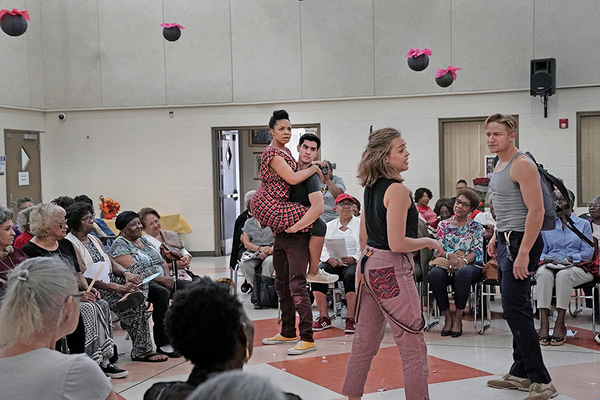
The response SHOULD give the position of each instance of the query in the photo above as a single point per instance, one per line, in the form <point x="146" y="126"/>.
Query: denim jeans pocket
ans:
<point x="383" y="283"/>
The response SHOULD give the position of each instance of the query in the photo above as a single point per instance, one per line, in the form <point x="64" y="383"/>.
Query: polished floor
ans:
<point x="459" y="368"/>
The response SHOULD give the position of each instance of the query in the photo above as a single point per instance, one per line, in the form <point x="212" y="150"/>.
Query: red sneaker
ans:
<point x="321" y="324"/>
<point x="350" y="326"/>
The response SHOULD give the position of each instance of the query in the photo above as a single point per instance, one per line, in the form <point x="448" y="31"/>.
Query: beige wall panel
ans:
<point x="35" y="55"/>
<point x="569" y="32"/>
<point x="198" y="65"/>
<point x="492" y="42"/>
<point x="71" y="57"/>
<point x="266" y="50"/>
<point x="132" y="53"/>
<point x="401" y="25"/>
<point x="14" y="68"/>
<point x="337" y="49"/>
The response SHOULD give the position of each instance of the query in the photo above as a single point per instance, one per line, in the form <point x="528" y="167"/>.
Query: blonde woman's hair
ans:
<point x="35" y="294"/>
<point x="41" y="216"/>
<point x="373" y="163"/>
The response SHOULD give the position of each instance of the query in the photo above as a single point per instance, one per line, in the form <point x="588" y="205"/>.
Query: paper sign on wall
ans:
<point x="24" y="178"/>
<point x="2" y="165"/>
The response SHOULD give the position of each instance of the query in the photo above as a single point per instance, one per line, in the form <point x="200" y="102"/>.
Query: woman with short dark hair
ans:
<point x="462" y="240"/>
<point x="10" y="257"/>
<point x="422" y="198"/>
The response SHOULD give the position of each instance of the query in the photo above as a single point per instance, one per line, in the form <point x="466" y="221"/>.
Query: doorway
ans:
<point x="23" y="172"/>
<point x="237" y="153"/>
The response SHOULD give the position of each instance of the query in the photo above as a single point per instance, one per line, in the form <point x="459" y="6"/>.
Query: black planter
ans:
<point x="172" y="34"/>
<point x="13" y="25"/>
<point x="418" y="63"/>
<point x="445" y="80"/>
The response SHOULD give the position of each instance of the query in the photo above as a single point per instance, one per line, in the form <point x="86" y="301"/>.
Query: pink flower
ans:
<point x="441" y="72"/>
<point x="418" y="52"/>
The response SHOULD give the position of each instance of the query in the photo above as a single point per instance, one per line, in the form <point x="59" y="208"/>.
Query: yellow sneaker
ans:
<point x="279" y="339"/>
<point x="301" y="348"/>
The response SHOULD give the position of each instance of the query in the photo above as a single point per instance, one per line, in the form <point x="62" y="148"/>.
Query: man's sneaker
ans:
<point x="509" y="381"/>
<point x="597" y="337"/>
<point x="350" y="326"/>
<point x="322" y="277"/>
<point x="541" y="391"/>
<point x="114" y="372"/>
<point x="321" y="324"/>
<point x="301" y="348"/>
<point x="279" y="339"/>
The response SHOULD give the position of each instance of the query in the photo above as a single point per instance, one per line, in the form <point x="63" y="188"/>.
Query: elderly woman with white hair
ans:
<point x="94" y="334"/>
<point x="40" y="307"/>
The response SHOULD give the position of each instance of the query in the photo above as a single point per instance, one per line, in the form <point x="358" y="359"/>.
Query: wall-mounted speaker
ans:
<point x="543" y="77"/>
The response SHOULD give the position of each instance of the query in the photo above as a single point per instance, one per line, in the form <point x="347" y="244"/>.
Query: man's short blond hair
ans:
<point x="505" y="119"/>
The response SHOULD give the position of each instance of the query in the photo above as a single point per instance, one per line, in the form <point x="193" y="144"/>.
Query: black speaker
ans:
<point x="543" y="77"/>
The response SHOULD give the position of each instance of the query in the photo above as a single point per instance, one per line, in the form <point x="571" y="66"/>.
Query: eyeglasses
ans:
<point x="462" y="203"/>
<point x="345" y="204"/>
<point x="63" y="225"/>
<point x="77" y="296"/>
<point x="593" y="205"/>
<point x="88" y="218"/>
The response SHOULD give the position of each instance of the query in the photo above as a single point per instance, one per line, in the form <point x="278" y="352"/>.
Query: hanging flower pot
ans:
<point x="172" y="32"/>
<point x="418" y="59"/>
<point x="445" y="77"/>
<point x="14" y="22"/>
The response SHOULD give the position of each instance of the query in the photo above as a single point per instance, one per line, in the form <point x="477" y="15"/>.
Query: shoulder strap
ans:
<point x="557" y="182"/>
<point x="571" y="226"/>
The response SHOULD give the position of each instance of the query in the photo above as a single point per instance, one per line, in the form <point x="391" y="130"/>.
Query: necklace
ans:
<point x="11" y="262"/>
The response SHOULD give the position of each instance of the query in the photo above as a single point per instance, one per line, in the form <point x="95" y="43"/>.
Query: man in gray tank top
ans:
<point x="517" y="243"/>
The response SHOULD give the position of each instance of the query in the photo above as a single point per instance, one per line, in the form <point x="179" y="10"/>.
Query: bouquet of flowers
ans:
<point x="481" y="181"/>
<point x="109" y="207"/>
<point x="482" y="186"/>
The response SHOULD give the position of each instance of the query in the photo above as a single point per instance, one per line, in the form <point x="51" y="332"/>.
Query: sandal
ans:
<point x="130" y="300"/>
<point x="151" y="356"/>
<point x="557" y="340"/>
<point x="544" y="340"/>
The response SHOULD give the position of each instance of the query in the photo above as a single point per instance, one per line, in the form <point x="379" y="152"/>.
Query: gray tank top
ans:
<point x="510" y="208"/>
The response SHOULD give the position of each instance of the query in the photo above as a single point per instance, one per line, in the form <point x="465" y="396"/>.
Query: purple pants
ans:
<point x="290" y="261"/>
<point x="388" y="294"/>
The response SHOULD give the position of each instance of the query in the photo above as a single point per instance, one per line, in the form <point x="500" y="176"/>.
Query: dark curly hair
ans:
<point x="444" y="201"/>
<point x="277" y="115"/>
<point x="74" y="214"/>
<point x="471" y="195"/>
<point x="203" y="324"/>
<point x="420" y="192"/>
<point x="63" y="201"/>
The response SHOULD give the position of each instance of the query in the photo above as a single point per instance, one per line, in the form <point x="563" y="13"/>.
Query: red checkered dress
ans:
<point x="270" y="205"/>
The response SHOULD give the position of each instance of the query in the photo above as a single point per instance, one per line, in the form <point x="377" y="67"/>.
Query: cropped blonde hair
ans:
<point x="373" y="163"/>
<point x="505" y="119"/>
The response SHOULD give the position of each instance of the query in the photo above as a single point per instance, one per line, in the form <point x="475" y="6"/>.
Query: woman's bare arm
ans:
<point x="281" y="168"/>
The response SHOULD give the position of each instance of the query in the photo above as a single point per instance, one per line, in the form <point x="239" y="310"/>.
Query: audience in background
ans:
<point x="40" y="307"/>
<point x="258" y="258"/>
<point x="101" y="229"/>
<point x="10" y="256"/>
<point x="223" y="340"/>
<point x="356" y="207"/>
<point x="564" y="265"/>
<point x="422" y="197"/>
<point x="444" y="208"/>
<point x="331" y="188"/>
<point x="22" y="204"/>
<point x="237" y="247"/>
<point x="23" y="224"/>
<point x="63" y="201"/>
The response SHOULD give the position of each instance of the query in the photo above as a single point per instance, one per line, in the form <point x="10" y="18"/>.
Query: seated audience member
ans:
<point x="23" y="224"/>
<point x="237" y="247"/>
<point x="260" y="240"/>
<point x="560" y="264"/>
<point x="40" y="307"/>
<point x="356" y="207"/>
<point x="422" y="197"/>
<point x="135" y="253"/>
<point x="236" y="385"/>
<point x="444" y="208"/>
<point x="22" y="204"/>
<point x="122" y="292"/>
<point x="462" y="240"/>
<point x="222" y="341"/>
<point x="594" y="219"/>
<point x="10" y="257"/>
<point x="63" y="201"/>
<point x="346" y="227"/>
<point x="94" y="333"/>
<point x="150" y="220"/>
<point x="487" y="219"/>
<point x="101" y="229"/>
<point x="461" y="184"/>
<point x="331" y="188"/>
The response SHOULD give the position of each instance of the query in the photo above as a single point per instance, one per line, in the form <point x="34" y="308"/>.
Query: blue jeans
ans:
<point x="516" y="303"/>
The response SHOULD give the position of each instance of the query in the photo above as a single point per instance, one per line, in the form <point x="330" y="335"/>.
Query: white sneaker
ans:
<point x="597" y="337"/>
<point x="322" y="277"/>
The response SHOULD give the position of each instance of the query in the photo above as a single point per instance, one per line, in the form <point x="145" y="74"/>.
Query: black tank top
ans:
<point x="376" y="215"/>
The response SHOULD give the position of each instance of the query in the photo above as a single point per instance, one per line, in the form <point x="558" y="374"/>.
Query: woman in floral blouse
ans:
<point x="462" y="240"/>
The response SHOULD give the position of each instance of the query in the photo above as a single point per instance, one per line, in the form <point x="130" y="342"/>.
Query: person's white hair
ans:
<point x="5" y="214"/>
<point x="23" y="219"/>
<point x="41" y="216"/>
<point x="236" y="385"/>
<point x="35" y="294"/>
<point x="248" y="197"/>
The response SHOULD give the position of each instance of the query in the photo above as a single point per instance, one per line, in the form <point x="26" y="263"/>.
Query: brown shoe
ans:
<point x="509" y="381"/>
<point x="541" y="391"/>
